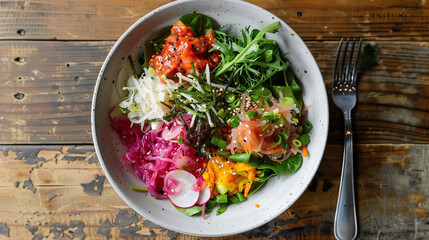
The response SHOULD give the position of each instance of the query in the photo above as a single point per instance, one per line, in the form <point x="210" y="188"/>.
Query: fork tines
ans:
<point x="346" y="74"/>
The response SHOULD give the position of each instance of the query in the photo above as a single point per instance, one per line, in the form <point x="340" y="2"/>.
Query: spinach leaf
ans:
<point x="190" y="211"/>
<point x="240" y="157"/>
<point x="237" y="198"/>
<point x="263" y="177"/>
<point x="197" y="22"/>
<point x="222" y="208"/>
<point x="288" y="166"/>
<point x="154" y="43"/>
<point x="210" y="205"/>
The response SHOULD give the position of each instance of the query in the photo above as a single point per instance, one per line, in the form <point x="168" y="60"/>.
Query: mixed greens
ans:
<point x="212" y="117"/>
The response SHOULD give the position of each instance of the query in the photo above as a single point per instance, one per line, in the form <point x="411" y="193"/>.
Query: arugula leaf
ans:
<point x="197" y="22"/>
<point x="250" y="59"/>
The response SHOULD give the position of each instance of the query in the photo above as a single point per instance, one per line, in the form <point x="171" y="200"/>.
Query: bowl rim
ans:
<point x="95" y="135"/>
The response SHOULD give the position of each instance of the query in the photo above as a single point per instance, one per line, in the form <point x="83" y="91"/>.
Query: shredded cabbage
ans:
<point x="152" y="156"/>
<point x="145" y="96"/>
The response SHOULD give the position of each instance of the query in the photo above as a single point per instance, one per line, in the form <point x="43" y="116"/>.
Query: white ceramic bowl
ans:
<point x="279" y="193"/>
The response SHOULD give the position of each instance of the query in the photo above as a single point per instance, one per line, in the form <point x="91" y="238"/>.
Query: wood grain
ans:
<point x="393" y="96"/>
<point x="107" y="20"/>
<point x="392" y="190"/>
<point x="49" y="190"/>
<point x="47" y="90"/>
<point x="56" y="81"/>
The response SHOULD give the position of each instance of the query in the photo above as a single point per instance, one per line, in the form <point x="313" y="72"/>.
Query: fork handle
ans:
<point x="345" y="223"/>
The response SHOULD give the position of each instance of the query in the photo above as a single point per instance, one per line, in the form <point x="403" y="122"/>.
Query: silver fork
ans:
<point x="344" y="84"/>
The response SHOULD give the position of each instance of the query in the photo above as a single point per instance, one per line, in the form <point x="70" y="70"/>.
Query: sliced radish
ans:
<point x="187" y="197"/>
<point x="205" y="195"/>
<point x="172" y="132"/>
<point x="172" y="186"/>
<point x="198" y="184"/>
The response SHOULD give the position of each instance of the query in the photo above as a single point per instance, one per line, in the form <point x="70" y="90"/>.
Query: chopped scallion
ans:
<point x="299" y="129"/>
<point x="268" y="101"/>
<point x="230" y="97"/>
<point x="140" y="189"/>
<point x="252" y="114"/>
<point x="297" y="143"/>
<point x="307" y="126"/>
<point x="255" y="98"/>
<point x="284" y="136"/>
<point x="222" y="198"/>
<point x="233" y="199"/>
<point x="240" y="197"/>
<point x="277" y="140"/>
<point x="234" y="121"/>
<point x="221" y="113"/>
<point x="284" y="145"/>
<point x="218" y="142"/>
<point x="304" y="139"/>
<point x="295" y="120"/>
<point x="236" y="103"/>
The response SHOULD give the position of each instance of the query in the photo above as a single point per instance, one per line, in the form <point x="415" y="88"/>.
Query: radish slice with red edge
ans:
<point x="198" y="184"/>
<point x="205" y="195"/>
<point x="172" y="132"/>
<point x="187" y="197"/>
<point x="172" y="186"/>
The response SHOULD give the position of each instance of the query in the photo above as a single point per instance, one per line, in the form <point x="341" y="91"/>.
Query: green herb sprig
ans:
<point x="251" y="59"/>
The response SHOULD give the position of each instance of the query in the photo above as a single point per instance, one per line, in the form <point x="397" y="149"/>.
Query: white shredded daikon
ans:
<point x="145" y="97"/>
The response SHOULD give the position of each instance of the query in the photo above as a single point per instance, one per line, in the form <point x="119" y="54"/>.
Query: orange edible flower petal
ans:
<point x="304" y="151"/>
<point x="247" y="189"/>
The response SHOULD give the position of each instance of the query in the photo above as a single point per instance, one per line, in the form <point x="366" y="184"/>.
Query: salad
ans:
<point x="209" y="116"/>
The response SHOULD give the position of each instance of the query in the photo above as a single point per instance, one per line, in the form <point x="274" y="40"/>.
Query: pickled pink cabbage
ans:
<point x="153" y="154"/>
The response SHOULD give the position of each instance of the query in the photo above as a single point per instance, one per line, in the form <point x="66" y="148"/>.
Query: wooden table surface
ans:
<point x="52" y="186"/>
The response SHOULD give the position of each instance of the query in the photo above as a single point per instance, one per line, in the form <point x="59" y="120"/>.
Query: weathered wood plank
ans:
<point x="47" y="90"/>
<point x="101" y="20"/>
<point x="392" y="194"/>
<point x="393" y="96"/>
<point x="38" y="105"/>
